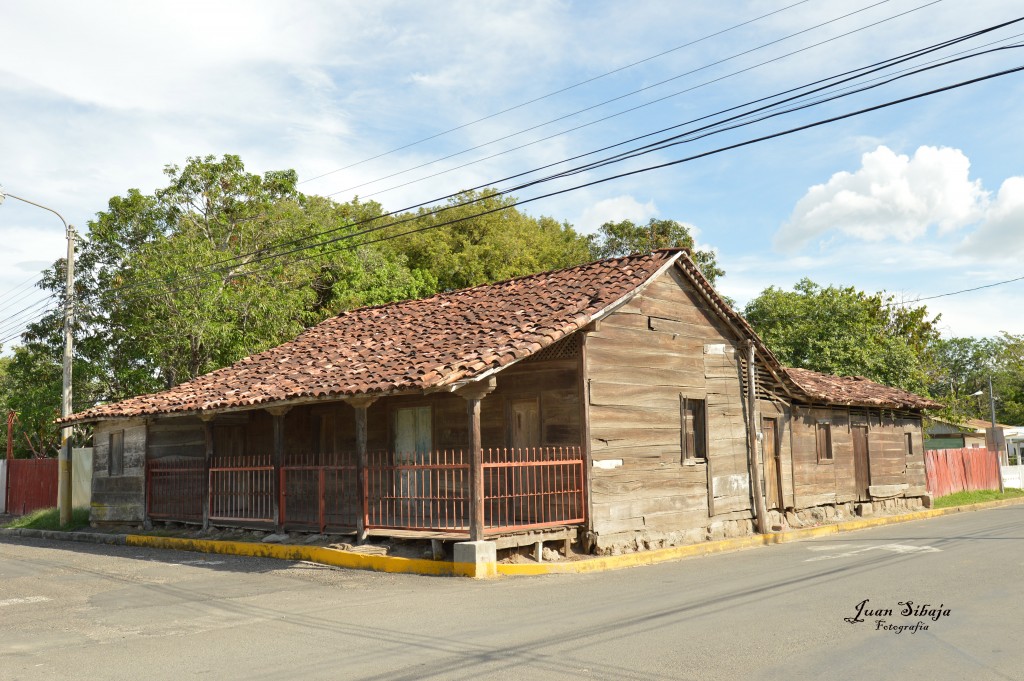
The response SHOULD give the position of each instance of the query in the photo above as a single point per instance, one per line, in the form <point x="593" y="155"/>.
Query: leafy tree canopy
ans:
<point x="221" y="263"/>
<point x="614" y="239"/>
<point x="846" y="332"/>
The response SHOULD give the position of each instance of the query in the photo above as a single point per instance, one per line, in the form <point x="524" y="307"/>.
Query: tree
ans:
<point x="960" y="367"/>
<point x="846" y="332"/>
<point x="615" y="239"/>
<point x="1008" y="378"/>
<point x="491" y="242"/>
<point x="222" y="263"/>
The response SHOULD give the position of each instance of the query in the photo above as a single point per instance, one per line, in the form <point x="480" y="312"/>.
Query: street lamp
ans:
<point x="64" y="458"/>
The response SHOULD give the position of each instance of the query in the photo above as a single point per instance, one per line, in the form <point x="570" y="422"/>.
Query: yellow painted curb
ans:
<point x="359" y="561"/>
<point x="315" y="554"/>
<point x="708" y="548"/>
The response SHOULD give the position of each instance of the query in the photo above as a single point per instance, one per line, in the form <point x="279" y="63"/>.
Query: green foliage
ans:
<point x="846" y="332"/>
<point x="1008" y="378"/>
<point x="976" y="497"/>
<point x="615" y="239"/>
<point x="49" y="519"/>
<point x="484" y="246"/>
<point x="962" y="367"/>
<point x="222" y="263"/>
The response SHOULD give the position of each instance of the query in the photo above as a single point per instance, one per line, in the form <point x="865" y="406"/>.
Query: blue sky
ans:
<point x="918" y="200"/>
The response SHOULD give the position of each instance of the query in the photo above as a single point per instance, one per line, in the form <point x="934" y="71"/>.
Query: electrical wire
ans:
<point x="659" y="166"/>
<point x="262" y="254"/>
<point x="614" y="115"/>
<point x="633" y="172"/>
<point x="559" y="91"/>
<point x="630" y="94"/>
<point x="28" y="283"/>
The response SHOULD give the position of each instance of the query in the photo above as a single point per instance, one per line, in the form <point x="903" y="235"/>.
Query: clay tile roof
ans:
<point x="412" y="345"/>
<point x="855" y="391"/>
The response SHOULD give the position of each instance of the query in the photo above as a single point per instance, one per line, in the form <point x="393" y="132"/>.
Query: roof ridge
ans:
<point x="524" y="277"/>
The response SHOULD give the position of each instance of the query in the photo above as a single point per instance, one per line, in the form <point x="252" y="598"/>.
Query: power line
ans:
<point x="692" y="136"/>
<point x="535" y="182"/>
<point x="559" y="91"/>
<point x="956" y="293"/>
<point x="628" y="94"/>
<point x="262" y="255"/>
<point x="28" y="283"/>
<point x="659" y="166"/>
<point x="574" y="171"/>
<point x="614" y="115"/>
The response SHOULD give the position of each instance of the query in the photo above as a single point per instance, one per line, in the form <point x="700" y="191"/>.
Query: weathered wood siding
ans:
<point x="119" y="498"/>
<point x="818" y="483"/>
<point x="183" y="437"/>
<point x="663" y="344"/>
<point x="553" y="383"/>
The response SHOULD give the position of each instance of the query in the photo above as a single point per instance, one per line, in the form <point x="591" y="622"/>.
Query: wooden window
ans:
<point x="910" y="443"/>
<point x="824" y="442"/>
<point x="692" y="433"/>
<point x="115" y="453"/>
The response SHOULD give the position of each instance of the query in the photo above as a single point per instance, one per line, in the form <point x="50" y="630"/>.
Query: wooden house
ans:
<point x="610" y="401"/>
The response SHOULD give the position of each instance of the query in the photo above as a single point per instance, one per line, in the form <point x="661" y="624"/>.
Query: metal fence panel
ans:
<point x="31" y="485"/>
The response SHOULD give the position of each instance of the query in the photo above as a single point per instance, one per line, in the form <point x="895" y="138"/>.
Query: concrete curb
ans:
<point x="87" y="537"/>
<point x="315" y="554"/>
<point x="737" y="544"/>
<point x="392" y="564"/>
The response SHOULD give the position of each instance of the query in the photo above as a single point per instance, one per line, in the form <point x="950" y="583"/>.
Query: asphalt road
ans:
<point x="91" y="612"/>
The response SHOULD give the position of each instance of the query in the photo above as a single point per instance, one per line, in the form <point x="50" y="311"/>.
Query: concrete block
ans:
<point x="479" y="557"/>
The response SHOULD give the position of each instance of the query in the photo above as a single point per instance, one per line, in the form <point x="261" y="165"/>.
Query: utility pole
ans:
<point x="752" y="431"/>
<point x="996" y="443"/>
<point x="64" y="465"/>
<point x="64" y="457"/>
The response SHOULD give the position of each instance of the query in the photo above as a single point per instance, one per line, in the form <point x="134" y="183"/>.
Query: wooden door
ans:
<point x="525" y="424"/>
<point x="861" y="467"/>
<point x="413" y="442"/>
<point x="772" y="464"/>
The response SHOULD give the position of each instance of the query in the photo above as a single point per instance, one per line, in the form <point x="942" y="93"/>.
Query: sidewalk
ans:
<point x="353" y="559"/>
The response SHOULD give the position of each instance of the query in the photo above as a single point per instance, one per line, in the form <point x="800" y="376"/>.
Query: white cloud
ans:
<point x="1001" y="235"/>
<point x="616" y="209"/>
<point x="890" y="196"/>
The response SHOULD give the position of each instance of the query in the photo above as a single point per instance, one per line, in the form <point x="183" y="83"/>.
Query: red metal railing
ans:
<point x="242" y="489"/>
<point x="31" y="485"/>
<point x="528" y="488"/>
<point x="957" y="470"/>
<point x="532" y="488"/>
<point x="323" y="496"/>
<point x="176" y="489"/>
<point x="425" y="491"/>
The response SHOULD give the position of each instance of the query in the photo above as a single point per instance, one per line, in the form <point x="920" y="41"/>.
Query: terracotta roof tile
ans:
<point x="855" y="391"/>
<point x="412" y="345"/>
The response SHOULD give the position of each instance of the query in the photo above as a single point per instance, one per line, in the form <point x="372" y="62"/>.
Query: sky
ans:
<point x="919" y="199"/>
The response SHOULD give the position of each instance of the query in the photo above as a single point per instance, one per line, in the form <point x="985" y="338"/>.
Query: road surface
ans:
<point x="70" y="611"/>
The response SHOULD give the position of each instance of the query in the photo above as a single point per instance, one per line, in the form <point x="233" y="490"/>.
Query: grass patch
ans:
<point x="964" y="498"/>
<point x="49" y="519"/>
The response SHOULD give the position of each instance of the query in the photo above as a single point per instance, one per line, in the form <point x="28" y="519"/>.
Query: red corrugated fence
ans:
<point x="958" y="470"/>
<point x="31" y="485"/>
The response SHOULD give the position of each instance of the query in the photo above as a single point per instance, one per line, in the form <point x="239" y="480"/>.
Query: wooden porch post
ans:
<point x="361" y="404"/>
<point x="276" y="457"/>
<point x="587" y="537"/>
<point x="473" y="394"/>
<point x="208" y="433"/>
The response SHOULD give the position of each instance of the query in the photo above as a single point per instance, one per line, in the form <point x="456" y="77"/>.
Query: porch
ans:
<point x="489" y="458"/>
<point x="524" y="489"/>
